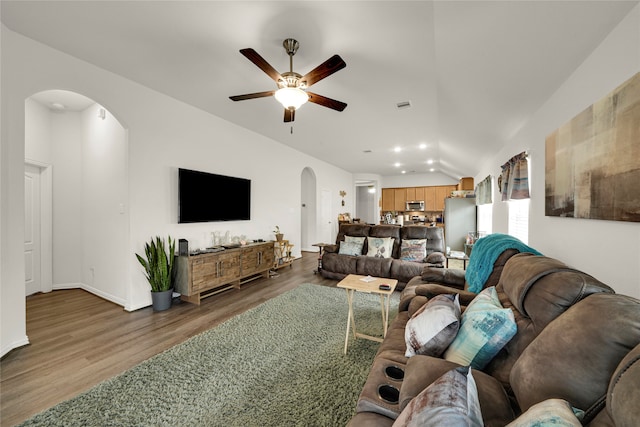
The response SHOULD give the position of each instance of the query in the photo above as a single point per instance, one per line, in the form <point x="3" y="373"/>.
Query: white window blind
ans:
<point x="519" y="219"/>
<point x="485" y="218"/>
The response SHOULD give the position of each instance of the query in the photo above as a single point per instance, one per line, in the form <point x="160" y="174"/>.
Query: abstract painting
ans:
<point x="592" y="163"/>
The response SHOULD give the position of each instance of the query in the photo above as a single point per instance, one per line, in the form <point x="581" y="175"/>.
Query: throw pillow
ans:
<point x="551" y="412"/>
<point x="380" y="247"/>
<point x="452" y="400"/>
<point x="433" y="327"/>
<point x="413" y="249"/>
<point x="486" y="327"/>
<point x="352" y="245"/>
<point x="350" y="248"/>
<point x="354" y="239"/>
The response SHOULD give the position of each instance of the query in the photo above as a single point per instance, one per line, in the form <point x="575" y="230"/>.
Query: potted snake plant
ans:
<point x="159" y="270"/>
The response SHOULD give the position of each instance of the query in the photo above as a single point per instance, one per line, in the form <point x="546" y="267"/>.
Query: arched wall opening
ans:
<point x="83" y="150"/>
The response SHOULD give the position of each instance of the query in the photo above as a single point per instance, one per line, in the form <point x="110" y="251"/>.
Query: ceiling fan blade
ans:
<point x="326" y="102"/>
<point x="289" y="115"/>
<point x="252" y="95"/>
<point x="328" y="67"/>
<point x="254" y="57"/>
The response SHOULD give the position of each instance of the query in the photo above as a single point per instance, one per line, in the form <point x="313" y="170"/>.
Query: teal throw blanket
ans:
<point x="485" y="253"/>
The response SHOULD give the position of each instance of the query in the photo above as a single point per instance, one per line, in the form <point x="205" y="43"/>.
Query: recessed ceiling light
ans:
<point x="430" y="161"/>
<point x="57" y="106"/>
<point x="397" y="149"/>
<point x="396" y="164"/>
<point x="431" y="170"/>
<point x="423" y="146"/>
<point x="403" y="172"/>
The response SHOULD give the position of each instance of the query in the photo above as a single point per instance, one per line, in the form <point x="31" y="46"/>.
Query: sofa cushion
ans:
<point x="551" y="412"/>
<point x="339" y="264"/>
<point x="486" y="327"/>
<point x="585" y="344"/>
<point x="623" y="394"/>
<point x="432" y="328"/>
<point x="433" y="235"/>
<point x="436" y="258"/>
<point x="413" y="249"/>
<point x="351" y="248"/>
<point x="404" y="271"/>
<point x="542" y="295"/>
<point x="421" y="371"/>
<point x="451" y="400"/>
<point x="380" y="247"/>
<point x="353" y="230"/>
<point x="355" y="239"/>
<point x="372" y="266"/>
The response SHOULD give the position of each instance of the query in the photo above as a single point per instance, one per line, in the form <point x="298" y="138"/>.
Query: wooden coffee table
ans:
<point x="353" y="283"/>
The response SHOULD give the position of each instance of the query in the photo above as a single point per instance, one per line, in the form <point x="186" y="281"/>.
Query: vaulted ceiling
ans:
<point x="473" y="71"/>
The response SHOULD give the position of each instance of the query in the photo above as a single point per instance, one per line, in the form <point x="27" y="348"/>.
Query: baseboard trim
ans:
<point x="90" y="289"/>
<point x="16" y="344"/>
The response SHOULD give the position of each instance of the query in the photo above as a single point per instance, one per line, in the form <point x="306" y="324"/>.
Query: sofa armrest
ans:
<point x="445" y="276"/>
<point x="331" y="249"/>
<point x="430" y="290"/>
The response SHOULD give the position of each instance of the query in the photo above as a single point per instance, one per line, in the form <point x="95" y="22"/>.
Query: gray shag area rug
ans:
<point x="278" y="364"/>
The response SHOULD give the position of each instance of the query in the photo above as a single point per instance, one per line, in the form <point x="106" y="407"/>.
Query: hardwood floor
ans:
<point x="78" y="339"/>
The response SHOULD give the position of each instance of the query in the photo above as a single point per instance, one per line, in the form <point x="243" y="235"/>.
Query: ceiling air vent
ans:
<point x="403" y="105"/>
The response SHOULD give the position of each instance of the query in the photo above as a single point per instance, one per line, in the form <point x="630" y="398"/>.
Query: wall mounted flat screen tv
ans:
<point x="207" y="197"/>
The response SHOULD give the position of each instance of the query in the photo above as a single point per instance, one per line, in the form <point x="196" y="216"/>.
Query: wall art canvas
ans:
<point x="592" y="163"/>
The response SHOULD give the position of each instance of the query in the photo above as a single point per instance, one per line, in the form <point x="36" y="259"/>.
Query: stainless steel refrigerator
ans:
<point x="459" y="219"/>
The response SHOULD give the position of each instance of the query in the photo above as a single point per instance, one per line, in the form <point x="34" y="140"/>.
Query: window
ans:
<point x="519" y="219"/>
<point x="485" y="218"/>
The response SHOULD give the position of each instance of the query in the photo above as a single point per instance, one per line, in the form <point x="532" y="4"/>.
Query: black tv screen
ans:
<point x="207" y="197"/>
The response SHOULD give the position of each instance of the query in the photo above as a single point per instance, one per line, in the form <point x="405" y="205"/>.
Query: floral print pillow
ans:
<point x="380" y="247"/>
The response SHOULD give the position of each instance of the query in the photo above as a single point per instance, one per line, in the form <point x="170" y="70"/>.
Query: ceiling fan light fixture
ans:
<point x="291" y="98"/>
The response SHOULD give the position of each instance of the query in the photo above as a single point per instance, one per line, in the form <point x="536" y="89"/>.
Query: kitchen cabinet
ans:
<point x="410" y="194"/>
<point x="419" y="193"/>
<point x="466" y="183"/>
<point x="400" y="199"/>
<point x="442" y="192"/>
<point x="430" y="198"/>
<point x="388" y="199"/>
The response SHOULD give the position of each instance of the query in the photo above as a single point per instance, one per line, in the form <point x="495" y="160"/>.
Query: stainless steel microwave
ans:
<point x="416" y="205"/>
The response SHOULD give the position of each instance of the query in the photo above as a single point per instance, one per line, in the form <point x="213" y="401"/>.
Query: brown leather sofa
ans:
<point x="576" y="340"/>
<point x="336" y="266"/>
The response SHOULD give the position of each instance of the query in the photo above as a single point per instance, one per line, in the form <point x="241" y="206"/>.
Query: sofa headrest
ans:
<point x="355" y="230"/>
<point x="576" y="355"/>
<point x="540" y="287"/>
<point x="624" y="390"/>
<point x="433" y="235"/>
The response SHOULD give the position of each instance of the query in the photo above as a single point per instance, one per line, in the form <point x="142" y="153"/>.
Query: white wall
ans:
<point x="609" y="250"/>
<point x="66" y="140"/>
<point x="417" y="180"/>
<point x="163" y="134"/>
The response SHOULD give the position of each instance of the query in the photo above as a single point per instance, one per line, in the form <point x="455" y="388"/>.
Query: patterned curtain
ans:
<point x="483" y="192"/>
<point x="514" y="180"/>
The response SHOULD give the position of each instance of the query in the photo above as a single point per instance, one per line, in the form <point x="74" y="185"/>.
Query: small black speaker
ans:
<point x="183" y="247"/>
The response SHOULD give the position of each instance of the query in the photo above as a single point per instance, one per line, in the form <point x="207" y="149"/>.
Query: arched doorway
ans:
<point x="85" y="149"/>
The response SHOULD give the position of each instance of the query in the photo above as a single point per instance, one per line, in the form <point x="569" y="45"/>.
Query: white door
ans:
<point x="32" y="229"/>
<point x="325" y="217"/>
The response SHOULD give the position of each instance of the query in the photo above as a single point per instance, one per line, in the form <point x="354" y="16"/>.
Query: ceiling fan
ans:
<point x="292" y="92"/>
